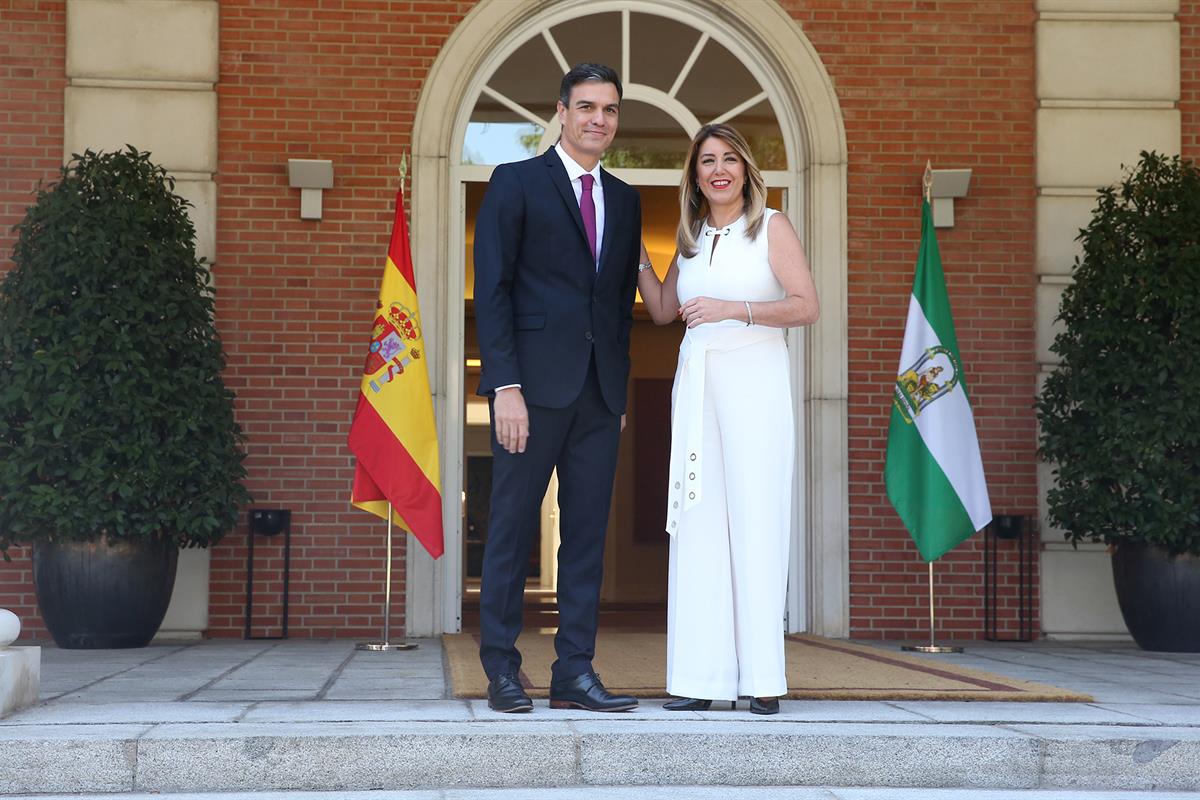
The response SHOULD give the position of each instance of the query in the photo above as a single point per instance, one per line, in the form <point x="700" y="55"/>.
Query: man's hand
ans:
<point x="512" y="419"/>
<point x="622" y="423"/>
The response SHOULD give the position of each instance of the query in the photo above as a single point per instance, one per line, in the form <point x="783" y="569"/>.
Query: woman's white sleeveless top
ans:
<point x="737" y="270"/>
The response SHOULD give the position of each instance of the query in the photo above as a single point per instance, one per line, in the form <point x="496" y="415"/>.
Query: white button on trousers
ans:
<point x="729" y="551"/>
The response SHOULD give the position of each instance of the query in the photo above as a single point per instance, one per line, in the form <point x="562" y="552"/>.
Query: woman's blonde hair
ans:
<point x="693" y="206"/>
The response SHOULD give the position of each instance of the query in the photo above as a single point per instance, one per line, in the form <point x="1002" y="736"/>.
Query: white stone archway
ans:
<point x="773" y="46"/>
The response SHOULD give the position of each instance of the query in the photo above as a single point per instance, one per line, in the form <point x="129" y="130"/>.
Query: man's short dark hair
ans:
<point x="587" y="72"/>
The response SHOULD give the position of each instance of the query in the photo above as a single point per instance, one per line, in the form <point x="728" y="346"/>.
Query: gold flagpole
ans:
<point x="386" y="643"/>
<point x="931" y="647"/>
<point x="927" y="181"/>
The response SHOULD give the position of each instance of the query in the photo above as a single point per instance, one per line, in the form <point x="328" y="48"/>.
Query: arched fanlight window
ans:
<point x="676" y="78"/>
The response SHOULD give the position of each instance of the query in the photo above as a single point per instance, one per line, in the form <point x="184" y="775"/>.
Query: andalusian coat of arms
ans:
<point x="934" y="375"/>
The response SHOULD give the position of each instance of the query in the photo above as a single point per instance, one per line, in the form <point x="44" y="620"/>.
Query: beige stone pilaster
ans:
<point x="144" y="72"/>
<point x="1108" y="83"/>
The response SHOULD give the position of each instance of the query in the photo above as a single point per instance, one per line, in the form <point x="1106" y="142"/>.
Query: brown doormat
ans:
<point x="635" y="662"/>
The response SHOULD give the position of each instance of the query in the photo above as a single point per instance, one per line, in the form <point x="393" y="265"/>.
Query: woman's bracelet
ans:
<point x="749" y="314"/>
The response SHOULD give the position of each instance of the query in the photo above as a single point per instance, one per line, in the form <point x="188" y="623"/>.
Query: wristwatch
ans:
<point x="645" y="265"/>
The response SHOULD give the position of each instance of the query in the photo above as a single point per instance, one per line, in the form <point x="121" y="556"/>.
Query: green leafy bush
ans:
<point x="1120" y="418"/>
<point x="114" y="420"/>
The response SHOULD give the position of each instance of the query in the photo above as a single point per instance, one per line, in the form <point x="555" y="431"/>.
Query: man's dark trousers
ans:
<point x="581" y="441"/>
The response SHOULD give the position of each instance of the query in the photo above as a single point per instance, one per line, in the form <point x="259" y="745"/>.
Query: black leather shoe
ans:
<point x="764" y="705"/>
<point x="587" y="692"/>
<point x="506" y="695"/>
<point x="687" y="704"/>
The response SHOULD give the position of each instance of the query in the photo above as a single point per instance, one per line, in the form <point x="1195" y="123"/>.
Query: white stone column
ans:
<point x="20" y="667"/>
<point x="1108" y="75"/>
<point x="144" y="72"/>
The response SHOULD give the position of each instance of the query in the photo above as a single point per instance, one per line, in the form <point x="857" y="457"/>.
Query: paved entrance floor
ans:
<point x="1141" y="736"/>
<point x="233" y="680"/>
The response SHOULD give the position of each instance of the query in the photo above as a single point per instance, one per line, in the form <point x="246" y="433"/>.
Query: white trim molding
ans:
<point x="775" y="50"/>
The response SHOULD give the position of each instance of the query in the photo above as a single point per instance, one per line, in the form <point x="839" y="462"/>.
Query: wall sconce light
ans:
<point x="947" y="185"/>
<point x="311" y="176"/>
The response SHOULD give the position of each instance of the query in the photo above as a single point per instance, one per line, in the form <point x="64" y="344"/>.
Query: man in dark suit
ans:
<point x="556" y="261"/>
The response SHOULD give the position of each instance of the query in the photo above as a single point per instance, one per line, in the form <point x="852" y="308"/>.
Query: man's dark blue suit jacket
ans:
<point x="541" y="306"/>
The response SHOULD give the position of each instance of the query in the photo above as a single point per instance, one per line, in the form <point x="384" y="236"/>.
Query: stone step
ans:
<point x="572" y="754"/>
<point x="655" y="793"/>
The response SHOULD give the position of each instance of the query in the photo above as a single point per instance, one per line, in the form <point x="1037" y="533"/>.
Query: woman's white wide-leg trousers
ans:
<point x="729" y="549"/>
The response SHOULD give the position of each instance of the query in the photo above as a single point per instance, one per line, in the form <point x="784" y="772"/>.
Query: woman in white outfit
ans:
<point x="738" y="279"/>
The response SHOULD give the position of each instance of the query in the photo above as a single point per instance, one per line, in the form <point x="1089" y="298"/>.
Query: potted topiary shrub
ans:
<point x="118" y="443"/>
<point x="1120" y="417"/>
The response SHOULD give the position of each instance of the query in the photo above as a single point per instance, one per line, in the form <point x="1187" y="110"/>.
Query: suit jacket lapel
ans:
<point x="558" y="176"/>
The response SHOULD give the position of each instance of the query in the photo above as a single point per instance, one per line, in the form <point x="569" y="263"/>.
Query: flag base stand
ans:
<point x="386" y="644"/>
<point x="931" y="647"/>
<point x="380" y="646"/>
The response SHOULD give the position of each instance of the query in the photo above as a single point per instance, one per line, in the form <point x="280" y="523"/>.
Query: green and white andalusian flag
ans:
<point x="934" y="473"/>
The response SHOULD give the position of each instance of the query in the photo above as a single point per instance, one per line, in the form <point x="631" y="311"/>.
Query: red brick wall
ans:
<point x="1189" y="68"/>
<point x="308" y="79"/>
<point x="32" y="77"/>
<point x="952" y="82"/>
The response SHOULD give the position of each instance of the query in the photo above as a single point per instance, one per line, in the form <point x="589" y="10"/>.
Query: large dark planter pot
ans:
<point x="1159" y="597"/>
<point x="96" y="595"/>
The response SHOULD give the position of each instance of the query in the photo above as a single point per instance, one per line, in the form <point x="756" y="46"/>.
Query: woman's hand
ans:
<point x="701" y="310"/>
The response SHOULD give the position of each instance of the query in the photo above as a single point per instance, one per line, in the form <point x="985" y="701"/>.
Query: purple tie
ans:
<point x="587" y="207"/>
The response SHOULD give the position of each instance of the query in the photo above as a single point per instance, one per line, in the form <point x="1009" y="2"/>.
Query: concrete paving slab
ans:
<point x="68" y="713"/>
<point x="1181" y="715"/>
<point x="1093" y="733"/>
<point x="825" y="711"/>
<point x="420" y="687"/>
<point x="353" y="728"/>
<point x="373" y="673"/>
<point x="1048" y="713"/>
<point x="1109" y="692"/>
<point x="10" y="734"/>
<point x="122" y="696"/>
<point x="252" y="695"/>
<point x="351" y="710"/>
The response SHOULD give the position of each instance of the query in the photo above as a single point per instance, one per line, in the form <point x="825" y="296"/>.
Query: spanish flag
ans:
<point x="393" y="435"/>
